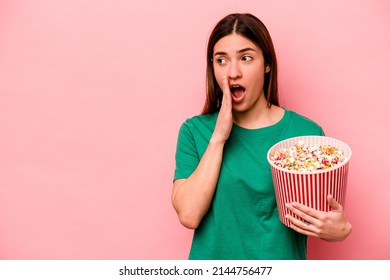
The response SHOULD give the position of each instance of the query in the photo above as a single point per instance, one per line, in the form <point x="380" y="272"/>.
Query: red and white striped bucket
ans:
<point x="309" y="188"/>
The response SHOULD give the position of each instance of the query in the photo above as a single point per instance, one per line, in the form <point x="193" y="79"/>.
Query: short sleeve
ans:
<point x="322" y="133"/>
<point x="187" y="157"/>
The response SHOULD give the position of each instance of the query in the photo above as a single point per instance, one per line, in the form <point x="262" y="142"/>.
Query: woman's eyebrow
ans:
<point x="220" y="53"/>
<point x="239" y="51"/>
<point x="246" y="50"/>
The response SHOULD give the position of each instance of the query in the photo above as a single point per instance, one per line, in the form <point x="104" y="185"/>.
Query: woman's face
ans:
<point x="242" y="62"/>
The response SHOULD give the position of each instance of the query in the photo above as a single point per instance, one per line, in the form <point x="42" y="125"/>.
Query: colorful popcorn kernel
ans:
<point x="308" y="158"/>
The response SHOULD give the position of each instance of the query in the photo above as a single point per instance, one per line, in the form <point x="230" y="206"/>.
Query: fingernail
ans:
<point x="288" y="205"/>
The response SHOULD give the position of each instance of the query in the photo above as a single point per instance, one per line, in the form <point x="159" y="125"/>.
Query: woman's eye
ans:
<point x="247" y="58"/>
<point x="221" y="61"/>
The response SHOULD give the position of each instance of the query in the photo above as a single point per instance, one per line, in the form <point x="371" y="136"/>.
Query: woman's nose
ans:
<point x="234" y="71"/>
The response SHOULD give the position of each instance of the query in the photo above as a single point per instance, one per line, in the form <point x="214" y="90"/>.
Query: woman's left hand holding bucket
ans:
<point x="329" y="226"/>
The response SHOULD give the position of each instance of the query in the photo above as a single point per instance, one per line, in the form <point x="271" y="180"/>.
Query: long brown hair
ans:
<point x="253" y="29"/>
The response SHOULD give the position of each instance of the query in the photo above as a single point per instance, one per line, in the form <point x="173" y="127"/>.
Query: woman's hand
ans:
<point x="329" y="226"/>
<point x="224" y="122"/>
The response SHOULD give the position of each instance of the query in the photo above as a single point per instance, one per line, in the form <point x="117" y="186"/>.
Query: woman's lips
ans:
<point x="237" y="92"/>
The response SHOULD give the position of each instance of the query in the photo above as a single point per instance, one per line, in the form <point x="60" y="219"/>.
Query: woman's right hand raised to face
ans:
<point x="225" y="118"/>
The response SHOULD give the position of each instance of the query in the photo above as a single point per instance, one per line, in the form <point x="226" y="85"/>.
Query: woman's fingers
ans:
<point x="334" y="204"/>
<point x="224" y="123"/>
<point x="306" y="213"/>
<point x="227" y="98"/>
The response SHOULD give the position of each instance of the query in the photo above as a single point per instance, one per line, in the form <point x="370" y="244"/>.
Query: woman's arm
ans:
<point x="192" y="197"/>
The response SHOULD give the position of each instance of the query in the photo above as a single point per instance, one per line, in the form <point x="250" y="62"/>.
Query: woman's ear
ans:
<point x="267" y="68"/>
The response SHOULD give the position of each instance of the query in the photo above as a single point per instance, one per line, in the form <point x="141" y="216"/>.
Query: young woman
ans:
<point x="223" y="185"/>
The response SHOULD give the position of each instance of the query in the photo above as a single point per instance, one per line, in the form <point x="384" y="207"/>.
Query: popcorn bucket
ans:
<point x="309" y="188"/>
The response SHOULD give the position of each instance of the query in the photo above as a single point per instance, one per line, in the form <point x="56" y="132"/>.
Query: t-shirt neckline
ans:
<point x="236" y="129"/>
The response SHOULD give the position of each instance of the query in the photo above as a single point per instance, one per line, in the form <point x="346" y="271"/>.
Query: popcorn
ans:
<point x="307" y="158"/>
<point x="305" y="169"/>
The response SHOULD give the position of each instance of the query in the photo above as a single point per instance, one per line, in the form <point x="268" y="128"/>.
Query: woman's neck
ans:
<point x="259" y="116"/>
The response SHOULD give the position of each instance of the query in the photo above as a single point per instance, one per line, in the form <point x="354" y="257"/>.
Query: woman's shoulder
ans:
<point x="303" y="122"/>
<point x="198" y="126"/>
<point x="300" y="117"/>
<point x="201" y="120"/>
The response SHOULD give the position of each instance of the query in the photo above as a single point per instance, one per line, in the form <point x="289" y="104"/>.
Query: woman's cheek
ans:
<point x="219" y="77"/>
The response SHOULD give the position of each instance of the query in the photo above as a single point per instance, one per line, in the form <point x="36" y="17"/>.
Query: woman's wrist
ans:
<point x="215" y="141"/>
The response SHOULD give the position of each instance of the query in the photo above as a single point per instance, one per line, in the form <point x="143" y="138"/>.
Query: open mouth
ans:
<point x="237" y="92"/>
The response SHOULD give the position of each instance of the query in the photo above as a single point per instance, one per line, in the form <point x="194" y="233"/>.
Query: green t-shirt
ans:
<point x="242" y="221"/>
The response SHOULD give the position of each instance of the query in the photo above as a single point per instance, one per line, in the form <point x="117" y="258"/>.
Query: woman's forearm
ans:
<point x="192" y="197"/>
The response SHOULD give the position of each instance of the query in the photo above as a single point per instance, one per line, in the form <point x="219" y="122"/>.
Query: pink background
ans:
<point x="92" y="94"/>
